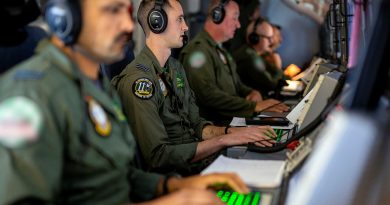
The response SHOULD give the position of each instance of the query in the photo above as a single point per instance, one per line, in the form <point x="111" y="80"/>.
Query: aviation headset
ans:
<point x="64" y="19"/>
<point x="218" y="13"/>
<point x="253" y="37"/>
<point x="157" y="18"/>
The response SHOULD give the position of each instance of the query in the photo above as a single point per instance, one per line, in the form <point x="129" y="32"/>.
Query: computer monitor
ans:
<point x="316" y="100"/>
<point x="312" y="77"/>
<point x="341" y="155"/>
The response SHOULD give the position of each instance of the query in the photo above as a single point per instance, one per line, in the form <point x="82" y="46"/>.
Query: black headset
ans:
<point x="157" y="18"/>
<point x="64" y="19"/>
<point x="218" y="13"/>
<point x="253" y="37"/>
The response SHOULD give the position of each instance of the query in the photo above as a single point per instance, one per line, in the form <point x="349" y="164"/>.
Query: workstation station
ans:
<point x="337" y="120"/>
<point x="196" y="102"/>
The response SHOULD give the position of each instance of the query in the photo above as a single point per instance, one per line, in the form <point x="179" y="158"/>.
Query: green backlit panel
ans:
<point x="234" y="198"/>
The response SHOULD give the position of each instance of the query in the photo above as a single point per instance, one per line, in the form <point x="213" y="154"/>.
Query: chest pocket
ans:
<point x="223" y="73"/>
<point x="92" y="152"/>
<point x="174" y="110"/>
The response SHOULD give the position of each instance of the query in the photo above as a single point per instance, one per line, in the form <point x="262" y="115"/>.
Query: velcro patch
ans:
<point x="197" y="59"/>
<point x="28" y="75"/>
<point x="142" y="67"/>
<point x="20" y="121"/>
<point x="143" y="88"/>
<point x="259" y="64"/>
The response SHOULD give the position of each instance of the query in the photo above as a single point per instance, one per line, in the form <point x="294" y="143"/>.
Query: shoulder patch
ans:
<point x="259" y="64"/>
<point x="28" y="75"/>
<point x="143" y="88"/>
<point x="142" y="67"/>
<point x="197" y="59"/>
<point x="20" y="121"/>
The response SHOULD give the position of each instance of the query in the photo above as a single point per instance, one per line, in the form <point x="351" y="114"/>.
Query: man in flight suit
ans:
<point x="160" y="104"/>
<point x="63" y="137"/>
<point x="211" y="70"/>
<point x="253" y="70"/>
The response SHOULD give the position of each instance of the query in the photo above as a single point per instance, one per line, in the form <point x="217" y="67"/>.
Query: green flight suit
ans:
<point x="211" y="72"/>
<point x="162" y="113"/>
<point x="69" y="162"/>
<point x="254" y="71"/>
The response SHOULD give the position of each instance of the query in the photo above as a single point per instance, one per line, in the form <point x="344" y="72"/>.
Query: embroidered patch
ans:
<point x="179" y="80"/>
<point x="259" y="64"/>
<point x="142" y="67"/>
<point x="197" y="59"/>
<point x="28" y="75"/>
<point x="99" y="117"/>
<point x="222" y="57"/>
<point x="20" y="121"/>
<point x="143" y="88"/>
<point x="163" y="87"/>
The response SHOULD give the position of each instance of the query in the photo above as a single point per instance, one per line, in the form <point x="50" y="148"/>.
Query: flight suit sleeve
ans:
<point x="144" y="184"/>
<point x="201" y="77"/>
<point x="195" y="118"/>
<point x="30" y="152"/>
<point x="148" y="128"/>
<point x="276" y="74"/>
<point x="243" y="90"/>
<point x="258" y="73"/>
<point x="198" y="122"/>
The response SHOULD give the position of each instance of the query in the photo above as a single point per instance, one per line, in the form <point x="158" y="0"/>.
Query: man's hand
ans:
<point x="231" y="180"/>
<point x="187" y="197"/>
<point x="254" y="96"/>
<point x="271" y="105"/>
<point x="263" y="136"/>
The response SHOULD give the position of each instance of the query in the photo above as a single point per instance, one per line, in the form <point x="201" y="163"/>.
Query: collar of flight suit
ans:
<point x="218" y="47"/>
<point x="206" y="36"/>
<point x="154" y="60"/>
<point x="55" y="56"/>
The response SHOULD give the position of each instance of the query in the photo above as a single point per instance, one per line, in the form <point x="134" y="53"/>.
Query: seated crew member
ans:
<point x="252" y="68"/>
<point x="63" y="137"/>
<point x="249" y="11"/>
<point x="211" y="71"/>
<point x="161" y="107"/>
<point x="272" y="58"/>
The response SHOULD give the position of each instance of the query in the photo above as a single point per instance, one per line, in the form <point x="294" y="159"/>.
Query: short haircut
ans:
<point x="143" y="11"/>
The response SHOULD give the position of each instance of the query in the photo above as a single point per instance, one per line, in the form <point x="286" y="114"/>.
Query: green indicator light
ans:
<point x="279" y="133"/>
<point x="248" y="199"/>
<point x="226" y="196"/>
<point x="240" y="199"/>
<point x="256" y="199"/>
<point x="219" y="194"/>
<point x="232" y="198"/>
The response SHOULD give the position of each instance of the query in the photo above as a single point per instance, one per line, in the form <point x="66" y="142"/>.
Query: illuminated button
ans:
<point x="240" y="199"/>
<point x="256" y="199"/>
<point x="248" y="199"/>
<point x="232" y="198"/>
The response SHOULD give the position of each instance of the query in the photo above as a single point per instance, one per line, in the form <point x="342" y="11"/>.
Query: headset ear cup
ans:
<point x="218" y="14"/>
<point x="253" y="38"/>
<point x="64" y="19"/>
<point x="157" y="20"/>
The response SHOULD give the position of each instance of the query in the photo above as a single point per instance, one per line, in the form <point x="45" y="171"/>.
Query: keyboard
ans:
<point x="279" y="134"/>
<point x="253" y="198"/>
